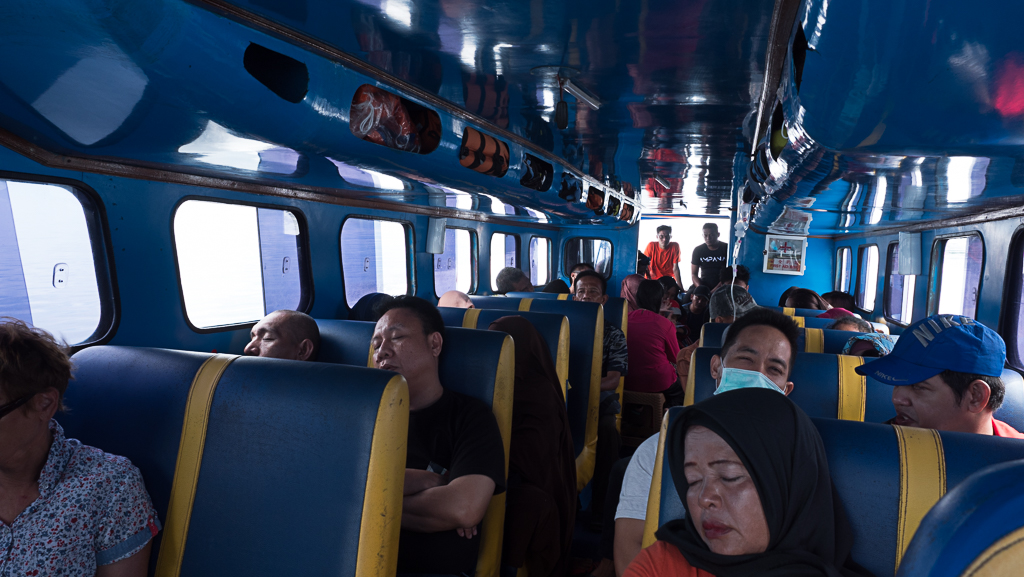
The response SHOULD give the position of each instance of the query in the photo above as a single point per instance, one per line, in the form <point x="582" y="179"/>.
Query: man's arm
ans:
<point x="629" y="536"/>
<point x="419" y="480"/>
<point x="135" y="566"/>
<point x="678" y="276"/>
<point x="457" y="505"/>
<point x="610" y="382"/>
<point x="693" y="274"/>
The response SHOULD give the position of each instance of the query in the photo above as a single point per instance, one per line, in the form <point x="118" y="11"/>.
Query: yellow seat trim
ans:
<point x="799" y="321"/>
<point x="789" y="311"/>
<point x="651" y="523"/>
<point x="922" y="480"/>
<point x="1004" y="557"/>
<point x="852" y="389"/>
<point x="190" y="458"/>
<point x="691" y="380"/>
<point x="488" y="563"/>
<point x="562" y="361"/>
<point x="814" y="341"/>
<point x="701" y="339"/>
<point x="471" y="318"/>
<point x="381" y="520"/>
<point x="563" y="297"/>
<point x="588" y="456"/>
<point x="524" y="305"/>
<point x="622" y="380"/>
<point x="369" y="358"/>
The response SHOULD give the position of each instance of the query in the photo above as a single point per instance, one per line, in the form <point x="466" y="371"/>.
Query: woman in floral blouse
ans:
<point x="65" y="508"/>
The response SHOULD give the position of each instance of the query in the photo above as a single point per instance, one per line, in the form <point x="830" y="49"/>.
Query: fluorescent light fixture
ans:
<point x="582" y="95"/>
<point x="661" y="180"/>
<point x="400" y="11"/>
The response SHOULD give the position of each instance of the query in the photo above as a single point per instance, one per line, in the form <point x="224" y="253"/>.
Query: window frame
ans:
<point x="410" y="251"/>
<point x="304" y="260"/>
<point x="519" y="254"/>
<point x="474" y="250"/>
<point x="935" y="270"/>
<point x="611" y="254"/>
<point x="861" y="257"/>
<point x="1013" y="285"/>
<point x="551" y="274"/>
<point x="893" y="247"/>
<point x="96" y="222"/>
<point x="837" y="278"/>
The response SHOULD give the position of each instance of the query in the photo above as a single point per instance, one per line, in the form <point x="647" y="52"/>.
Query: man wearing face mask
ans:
<point x="759" y="351"/>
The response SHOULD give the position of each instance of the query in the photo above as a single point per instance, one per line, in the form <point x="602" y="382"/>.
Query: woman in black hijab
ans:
<point x="540" y="508"/>
<point x="367" y="308"/>
<point x="751" y="469"/>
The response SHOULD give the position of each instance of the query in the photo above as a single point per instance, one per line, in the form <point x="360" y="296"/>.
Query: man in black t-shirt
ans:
<point x="696" y="313"/>
<point x="455" y="461"/>
<point x="709" y="258"/>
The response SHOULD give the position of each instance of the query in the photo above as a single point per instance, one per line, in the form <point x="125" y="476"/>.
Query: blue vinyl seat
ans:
<point x="477" y="363"/>
<point x="976" y="529"/>
<point x="586" y="345"/>
<point x="826" y="386"/>
<point x="229" y="446"/>
<point x="887" y="478"/>
<point x="554" y="329"/>
<point x="540" y="295"/>
<point x="808" y="341"/>
<point x="796" y="312"/>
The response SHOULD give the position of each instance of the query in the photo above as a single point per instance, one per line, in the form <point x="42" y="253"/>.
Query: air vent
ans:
<point x="482" y="153"/>
<point x="381" y="117"/>
<point x="538" y="174"/>
<point x="283" y="75"/>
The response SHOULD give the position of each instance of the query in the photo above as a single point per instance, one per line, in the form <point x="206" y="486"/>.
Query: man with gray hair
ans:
<point x="511" y="279"/>
<point x="726" y="305"/>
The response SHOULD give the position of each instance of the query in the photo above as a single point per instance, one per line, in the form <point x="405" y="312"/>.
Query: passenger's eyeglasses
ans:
<point x="11" y="406"/>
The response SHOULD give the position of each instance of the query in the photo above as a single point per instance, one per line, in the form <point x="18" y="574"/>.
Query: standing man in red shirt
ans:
<point x="664" y="256"/>
<point x="709" y="258"/>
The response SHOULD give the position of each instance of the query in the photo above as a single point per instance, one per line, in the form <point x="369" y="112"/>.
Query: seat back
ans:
<point x="214" y="435"/>
<point x="554" y="329"/>
<point x="827" y="386"/>
<point x="887" y="478"/>
<point x="976" y="529"/>
<point x="480" y="364"/>
<point x="617" y="313"/>
<point x="796" y="312"/>
<point x="586" y="345"/>
<point x="540" y="295"/>
<point x="808" y="340"/>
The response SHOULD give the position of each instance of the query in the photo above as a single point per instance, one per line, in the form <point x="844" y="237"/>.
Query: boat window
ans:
<point x="1013" y="308"/>
<point x="504" y="253"/>
<point x="844" y="269"/>
<point x="867" y="276"/>
<point x="50" y="254"/>
<point x="381" y="117"/>
<point x="595" y="251"/>
<point x="374" y="258"/>
<point x="540" y="258"/>
<point x="453" y="269"/>
<point x="899" y="301"/>
<point x="959" y="274"/>
<point x="237" y="262"/>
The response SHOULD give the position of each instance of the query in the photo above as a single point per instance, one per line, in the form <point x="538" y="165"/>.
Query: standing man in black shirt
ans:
<point x="455" y="461"/>
<point x="709" y="258"/>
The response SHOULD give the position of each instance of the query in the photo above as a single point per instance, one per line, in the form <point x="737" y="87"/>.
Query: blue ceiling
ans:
<point x="906" y="110"/>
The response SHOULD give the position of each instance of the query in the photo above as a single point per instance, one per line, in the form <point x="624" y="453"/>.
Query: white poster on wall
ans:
<point x="785" y="254"/>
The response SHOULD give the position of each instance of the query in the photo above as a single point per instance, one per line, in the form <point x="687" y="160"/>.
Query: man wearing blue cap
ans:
<point x="945" y="372"/>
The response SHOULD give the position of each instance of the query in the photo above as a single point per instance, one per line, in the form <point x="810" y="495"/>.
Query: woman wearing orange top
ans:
<point x="752" y="472"/>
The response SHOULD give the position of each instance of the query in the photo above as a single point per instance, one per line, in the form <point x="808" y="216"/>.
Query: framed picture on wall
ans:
<point x="785" y="254"/>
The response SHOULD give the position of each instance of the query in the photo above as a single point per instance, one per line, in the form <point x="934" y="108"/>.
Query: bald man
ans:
<point x="285" y="335"/>
<point x="455" y="299"/>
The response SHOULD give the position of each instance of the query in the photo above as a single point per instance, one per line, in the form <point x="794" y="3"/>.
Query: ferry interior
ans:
<point x="173" y="170"/>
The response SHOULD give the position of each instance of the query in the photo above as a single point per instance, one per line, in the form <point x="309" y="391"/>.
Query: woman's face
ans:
<point x="721" y="497"/>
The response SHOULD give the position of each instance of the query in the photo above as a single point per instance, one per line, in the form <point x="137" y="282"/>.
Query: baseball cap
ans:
<point x="702" y="291"/>
<point x="939" y="343"/>
<point x="731" y="301"/>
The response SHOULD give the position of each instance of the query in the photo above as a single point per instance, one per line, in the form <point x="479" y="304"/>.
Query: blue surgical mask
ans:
<point x="733" y="379"/>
